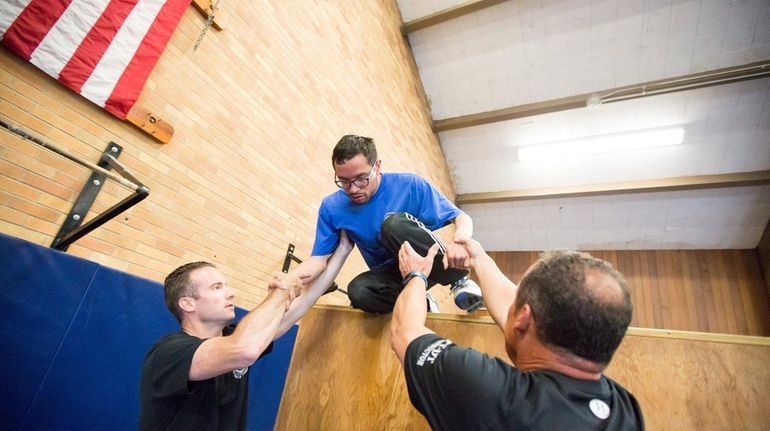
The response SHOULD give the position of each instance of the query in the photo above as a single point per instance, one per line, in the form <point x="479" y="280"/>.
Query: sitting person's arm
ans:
<point x="309" y="296"/>
<point x="498" y="291"/>
<point x="411" y="310"/>
<point x="254" y="333"/>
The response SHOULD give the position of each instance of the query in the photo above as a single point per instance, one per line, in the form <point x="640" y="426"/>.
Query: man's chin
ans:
<point x="360" y="199"/>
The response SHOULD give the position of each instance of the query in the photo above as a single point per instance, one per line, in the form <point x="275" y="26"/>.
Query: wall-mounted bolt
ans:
<point x="76" y="216"/>
<point x="97" y="182"/>
<point x="114" y="149"/>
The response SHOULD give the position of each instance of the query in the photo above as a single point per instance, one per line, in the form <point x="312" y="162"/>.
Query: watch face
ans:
<point x="240" y="372"/>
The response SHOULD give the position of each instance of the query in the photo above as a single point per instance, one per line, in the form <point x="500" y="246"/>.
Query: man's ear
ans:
<point x="523" y="318"/>
<point x="187" y="304"/>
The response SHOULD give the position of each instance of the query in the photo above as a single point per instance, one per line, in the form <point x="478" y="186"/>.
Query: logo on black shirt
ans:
<point x="431" y="352"/>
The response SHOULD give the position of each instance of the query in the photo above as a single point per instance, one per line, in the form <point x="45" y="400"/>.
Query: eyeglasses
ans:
<point x="359" y="182"/>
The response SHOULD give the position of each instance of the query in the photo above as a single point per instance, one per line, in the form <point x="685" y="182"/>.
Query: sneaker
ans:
<point x="467" y="294"/>
<point x="432" y="304"/>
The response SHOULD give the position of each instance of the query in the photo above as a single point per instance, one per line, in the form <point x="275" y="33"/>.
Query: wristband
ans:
<point x="414" y="274"/>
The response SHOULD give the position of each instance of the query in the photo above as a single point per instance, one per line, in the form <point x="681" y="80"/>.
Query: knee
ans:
<point x="358" y="295"/>
<point x="392" y="222"/>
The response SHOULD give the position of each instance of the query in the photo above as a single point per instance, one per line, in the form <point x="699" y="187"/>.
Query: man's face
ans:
<point x="214" y="302"/>
<point x="357" y="178"/>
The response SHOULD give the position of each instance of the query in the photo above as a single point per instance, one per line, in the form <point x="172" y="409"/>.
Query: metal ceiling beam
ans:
<point x="444" y="15"/>
<point x="642" y="186"/>
<point x="726" y="75"/>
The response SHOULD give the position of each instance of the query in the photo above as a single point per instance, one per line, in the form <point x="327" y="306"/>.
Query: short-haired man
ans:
<point x="197" y="378"/>
<point x="380" y="211"/>
<point x="561" y="329"/>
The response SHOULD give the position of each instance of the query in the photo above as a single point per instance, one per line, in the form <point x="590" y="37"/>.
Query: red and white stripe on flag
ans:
<point x="101" y="49"/>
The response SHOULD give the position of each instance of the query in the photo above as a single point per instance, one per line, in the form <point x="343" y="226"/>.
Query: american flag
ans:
<point x="101" y="49"/>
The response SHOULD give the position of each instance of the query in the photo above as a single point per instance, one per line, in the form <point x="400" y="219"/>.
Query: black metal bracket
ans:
<point x="72" y="230"/>
<point x="291" y="257"/>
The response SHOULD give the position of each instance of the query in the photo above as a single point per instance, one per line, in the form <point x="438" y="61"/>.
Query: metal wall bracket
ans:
<point x="72" y="230"/>
<point x="291" y="257"/>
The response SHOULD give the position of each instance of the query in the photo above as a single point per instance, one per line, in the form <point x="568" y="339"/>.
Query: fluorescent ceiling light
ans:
<point x="636" y="140"/>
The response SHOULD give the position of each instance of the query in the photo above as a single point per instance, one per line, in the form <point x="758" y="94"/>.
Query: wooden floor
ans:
<point x="343" y="375"/>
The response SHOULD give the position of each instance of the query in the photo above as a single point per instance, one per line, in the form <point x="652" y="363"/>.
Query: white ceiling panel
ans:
<point x="732" y="218"/>
<point x="520" y="52"/>
<point x="727" y="129"/>
<point x="526" y="51"/>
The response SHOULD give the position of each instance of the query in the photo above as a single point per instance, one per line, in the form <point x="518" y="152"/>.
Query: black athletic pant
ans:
<point x="376" y="291"/>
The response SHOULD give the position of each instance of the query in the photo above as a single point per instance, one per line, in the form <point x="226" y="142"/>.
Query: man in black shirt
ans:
<point x="561" y="327"/>
<point x="197" y="378"/>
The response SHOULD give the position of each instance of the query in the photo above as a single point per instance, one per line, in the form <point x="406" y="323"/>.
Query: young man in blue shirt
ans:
<point x="379" y="211"/>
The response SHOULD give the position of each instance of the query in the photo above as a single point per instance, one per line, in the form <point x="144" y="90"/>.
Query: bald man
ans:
<point x="561" y="326"/>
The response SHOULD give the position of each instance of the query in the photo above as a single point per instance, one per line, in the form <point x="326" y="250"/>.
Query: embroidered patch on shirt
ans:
<point x="432" y="351"/>
<point x="599" y="408"/>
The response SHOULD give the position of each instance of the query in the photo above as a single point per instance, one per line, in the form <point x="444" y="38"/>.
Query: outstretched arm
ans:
<point x="411" y="310"/>
<point x="303" y="274"/>
<point x="310" y="295"/>
<point x="219" y="355"/>
<point x="498" y="291"/>
<point x="456" y="255"/>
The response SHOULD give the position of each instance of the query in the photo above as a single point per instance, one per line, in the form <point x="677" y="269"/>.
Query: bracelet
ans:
<point x="414" y="274"/>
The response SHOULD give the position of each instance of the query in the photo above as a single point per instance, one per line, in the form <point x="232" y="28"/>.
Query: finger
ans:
<point x="402" y="252"/>
<point x="407" y="247"/>
<point x="445" y="261"/>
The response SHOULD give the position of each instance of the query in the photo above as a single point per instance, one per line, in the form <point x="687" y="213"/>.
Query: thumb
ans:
<point x="432" y="251"/>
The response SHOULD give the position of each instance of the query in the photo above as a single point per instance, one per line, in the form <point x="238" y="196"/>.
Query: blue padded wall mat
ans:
<point x="94" y="380"/>
<point x="267" y="380"/>
<point x="41" y="290"/>
<point x="77" y="335"/>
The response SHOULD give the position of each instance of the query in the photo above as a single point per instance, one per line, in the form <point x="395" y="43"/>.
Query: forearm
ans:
<point x="219" y="355"/>
<point x="409" y="314"/>
<point x="463" y="227"/>
<point x="499" y="292"/>
<point x="309" y="269"/>
<point x="257" y="329"/>
<point x="302" y="304"/>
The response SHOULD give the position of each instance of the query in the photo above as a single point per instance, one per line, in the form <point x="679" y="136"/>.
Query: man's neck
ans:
<point x="201" y="329"/>
<point x="541" y="358"/>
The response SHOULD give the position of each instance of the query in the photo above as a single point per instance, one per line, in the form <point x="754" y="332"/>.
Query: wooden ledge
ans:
<point x="638" y="332"/>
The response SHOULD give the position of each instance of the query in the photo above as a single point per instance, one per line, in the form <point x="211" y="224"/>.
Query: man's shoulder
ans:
<point x="403" y="176"/>
<point x="333" y="199"/>
<point x="429" y="349"/>
<point x="173" y="342"/>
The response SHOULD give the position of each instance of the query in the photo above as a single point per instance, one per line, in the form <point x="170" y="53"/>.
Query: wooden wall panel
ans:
<point x="718" y="291"/>
<point x="343" y="375"/>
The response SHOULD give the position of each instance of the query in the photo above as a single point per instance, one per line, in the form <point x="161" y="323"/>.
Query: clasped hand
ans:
<point x="292" y="284"/>
<point x="409" y="260"/>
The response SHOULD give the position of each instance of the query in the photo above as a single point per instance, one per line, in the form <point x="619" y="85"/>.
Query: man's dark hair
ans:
<point x="587" y="321"/>
<point x="177" y="285"/>
<point x="350" y="146"/>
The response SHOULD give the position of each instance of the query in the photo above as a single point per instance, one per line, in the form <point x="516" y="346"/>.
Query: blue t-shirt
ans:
<point x="397" y="193"/>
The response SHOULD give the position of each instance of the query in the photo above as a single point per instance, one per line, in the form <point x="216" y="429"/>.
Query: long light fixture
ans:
<point x="616" y="142"/>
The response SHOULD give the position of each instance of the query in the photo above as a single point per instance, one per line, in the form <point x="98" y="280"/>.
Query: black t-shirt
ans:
<point x="170" y="401"/>
<point x="456" y="388"/>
